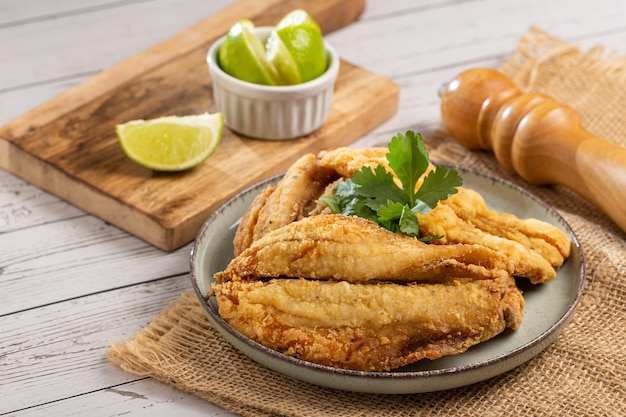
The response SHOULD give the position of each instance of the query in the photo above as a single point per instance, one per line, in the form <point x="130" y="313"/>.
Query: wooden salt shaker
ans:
<point x="538" y="138"/>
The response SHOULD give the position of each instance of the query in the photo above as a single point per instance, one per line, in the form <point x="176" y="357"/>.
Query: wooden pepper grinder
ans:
<point x="531" y="134"/>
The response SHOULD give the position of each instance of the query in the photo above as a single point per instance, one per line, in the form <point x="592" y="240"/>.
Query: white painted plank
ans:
<point x="71" y="44"/>
<point x="146" y="397"/>
<point x="464" y="33"/>
<point x="23" y="205"/>
<point x="57" y="351"/>
<point x="68" y="259"/>
<point x="20" y="12"/>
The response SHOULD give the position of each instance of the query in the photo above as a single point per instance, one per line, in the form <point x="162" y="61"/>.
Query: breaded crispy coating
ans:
<point x="535" y="248"/>
<point x="370" y="327"/>
<point x="289" y="200"/>
<point x="533" y="234"/>
<point x="354" y="249"/>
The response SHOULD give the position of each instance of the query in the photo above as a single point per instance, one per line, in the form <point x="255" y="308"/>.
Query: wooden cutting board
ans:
<point x="68" y="146"/>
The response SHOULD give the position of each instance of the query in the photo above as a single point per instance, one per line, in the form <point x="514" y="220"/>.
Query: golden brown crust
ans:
<point x="533" y="234"/>
<point x="290" y="200"/>
<point x="355" y="249"/>
<point x="244" y="235"/>
<point x="370" y="326"/>
<point x="535" y="248"/>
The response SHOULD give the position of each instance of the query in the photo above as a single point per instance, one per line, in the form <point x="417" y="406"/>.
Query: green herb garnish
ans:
<point x="374" y="195"/>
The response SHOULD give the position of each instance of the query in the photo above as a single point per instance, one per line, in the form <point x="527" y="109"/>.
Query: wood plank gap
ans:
<point x="138" y="379"/>
<point x="50" y="81"/>
<point x="417" y="9"/>
<point x="72" y="12"/>
<point x="120" y="287"/>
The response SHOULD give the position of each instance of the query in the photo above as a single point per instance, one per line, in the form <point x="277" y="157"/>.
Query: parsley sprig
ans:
<point x="374" y="195"/>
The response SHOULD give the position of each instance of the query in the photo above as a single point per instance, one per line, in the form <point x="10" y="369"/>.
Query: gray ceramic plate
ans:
<point x="548" y="306"/>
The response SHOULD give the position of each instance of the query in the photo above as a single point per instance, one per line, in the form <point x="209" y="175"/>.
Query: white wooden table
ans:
<point x="71" y="283"/>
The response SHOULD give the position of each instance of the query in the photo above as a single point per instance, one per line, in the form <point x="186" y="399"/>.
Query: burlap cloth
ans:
<point x="583" y="373"/>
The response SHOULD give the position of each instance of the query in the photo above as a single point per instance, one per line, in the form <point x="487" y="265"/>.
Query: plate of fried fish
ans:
<point x="474" y="284"/>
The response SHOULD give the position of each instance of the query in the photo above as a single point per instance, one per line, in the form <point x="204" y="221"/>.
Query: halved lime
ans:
<point x="172" y="143"/>
<point x="242" y="55"/>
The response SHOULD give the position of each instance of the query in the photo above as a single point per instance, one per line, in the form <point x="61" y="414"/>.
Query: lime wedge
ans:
<point x="280" y="57"/>
<point x="242" y="55"/>
<point x="297" y="45"/>
<point x="172" y="143"/>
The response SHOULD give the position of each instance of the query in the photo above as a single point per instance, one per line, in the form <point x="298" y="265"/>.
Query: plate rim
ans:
<point x="533" y="347"/>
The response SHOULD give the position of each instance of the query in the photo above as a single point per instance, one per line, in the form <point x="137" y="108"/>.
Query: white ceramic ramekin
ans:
<point x="272" y="112"/>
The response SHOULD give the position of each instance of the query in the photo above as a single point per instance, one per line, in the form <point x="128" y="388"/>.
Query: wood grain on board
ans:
<point x="67" y="146"/>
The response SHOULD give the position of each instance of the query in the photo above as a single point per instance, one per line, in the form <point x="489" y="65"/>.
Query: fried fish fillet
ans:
<point x="370" y="326"/>
<point x="443" y="221"/>
<point x="542" y="237"/>
<point x="535" y="248"/>
<point x="277" y="206"/>
<point x="354" y="249"/>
